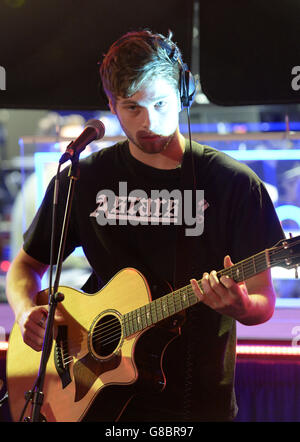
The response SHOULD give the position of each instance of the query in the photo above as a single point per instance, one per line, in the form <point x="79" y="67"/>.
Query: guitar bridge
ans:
<point x="61" y="355"/>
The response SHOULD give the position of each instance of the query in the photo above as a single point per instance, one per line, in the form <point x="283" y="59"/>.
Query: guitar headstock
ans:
<point x="286" y="253"/>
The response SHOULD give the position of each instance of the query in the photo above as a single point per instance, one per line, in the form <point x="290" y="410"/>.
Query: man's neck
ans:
<point x="170" y="158"/>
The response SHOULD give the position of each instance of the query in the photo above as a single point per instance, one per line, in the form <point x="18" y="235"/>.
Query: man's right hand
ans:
<point x="32" y="323"/>
<point x="23" y="282"/>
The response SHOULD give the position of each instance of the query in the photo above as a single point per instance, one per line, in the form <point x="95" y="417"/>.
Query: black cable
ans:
<point x="188" y="379"/>
<point x="191" y="150"/>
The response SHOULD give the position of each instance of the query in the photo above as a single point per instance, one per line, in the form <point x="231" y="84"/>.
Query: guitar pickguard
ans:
<point x="88" y="369"/>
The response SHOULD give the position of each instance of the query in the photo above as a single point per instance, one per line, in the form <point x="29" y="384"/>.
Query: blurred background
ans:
<point x="245" y="58"/>
<point x="247" y="101"/>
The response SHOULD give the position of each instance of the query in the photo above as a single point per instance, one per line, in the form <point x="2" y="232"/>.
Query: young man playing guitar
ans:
<point x="147" y="84"/>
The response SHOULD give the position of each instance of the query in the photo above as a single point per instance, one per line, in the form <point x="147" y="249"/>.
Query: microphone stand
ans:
<point x="37" y="394"/>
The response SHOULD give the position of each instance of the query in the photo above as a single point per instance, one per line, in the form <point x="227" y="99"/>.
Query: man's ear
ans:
<point x="111" y="106"/>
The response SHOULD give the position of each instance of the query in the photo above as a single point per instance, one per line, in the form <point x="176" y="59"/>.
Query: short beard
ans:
<point x="163" y="149"/>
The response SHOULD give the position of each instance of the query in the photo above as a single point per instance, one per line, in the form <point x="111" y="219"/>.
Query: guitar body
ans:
<point x="108" y="346"/>
<point x="91" y="356"/>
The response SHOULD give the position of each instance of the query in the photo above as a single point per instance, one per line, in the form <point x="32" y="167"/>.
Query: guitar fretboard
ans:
<point x="181" y="299"/>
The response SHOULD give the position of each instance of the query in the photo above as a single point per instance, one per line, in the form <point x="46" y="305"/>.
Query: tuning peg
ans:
<point x="296" y="267"/>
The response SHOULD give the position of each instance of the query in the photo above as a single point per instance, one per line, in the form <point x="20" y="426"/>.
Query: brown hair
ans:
<point x="135" y="58"/>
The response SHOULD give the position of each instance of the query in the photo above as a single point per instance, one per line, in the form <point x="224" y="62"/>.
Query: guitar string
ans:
<point x="250" y="263"/>
<point x="114" y="331"/>
<point x="107" y="324"/>
<point x="224" y="271"/>
<point x="112" y="336"/>
<point x="160" y="301"/>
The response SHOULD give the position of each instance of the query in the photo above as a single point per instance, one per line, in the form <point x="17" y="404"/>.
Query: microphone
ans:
<point x="94" y="130"/>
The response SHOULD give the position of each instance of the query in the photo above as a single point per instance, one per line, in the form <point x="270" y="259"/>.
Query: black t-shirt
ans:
<point x="127" y="214"/>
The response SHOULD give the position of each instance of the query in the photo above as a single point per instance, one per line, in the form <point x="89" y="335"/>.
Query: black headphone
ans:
<point x="187" y="84"/>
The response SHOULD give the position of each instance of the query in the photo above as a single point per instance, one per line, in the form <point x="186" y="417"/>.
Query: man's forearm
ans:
<point x="261" y="309"/>
<point x="21" y="287"/>
<point x="23" y="283"/>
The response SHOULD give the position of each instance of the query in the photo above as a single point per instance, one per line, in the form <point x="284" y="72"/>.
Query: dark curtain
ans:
<point x="268" y="390"/>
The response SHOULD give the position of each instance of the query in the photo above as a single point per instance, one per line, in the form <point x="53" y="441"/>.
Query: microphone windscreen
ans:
<point x="98" y="126"/>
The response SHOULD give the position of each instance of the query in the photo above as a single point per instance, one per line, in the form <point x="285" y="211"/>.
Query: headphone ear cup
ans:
<point x="187" y="88"/>
<point x="187" y="85"/>
<point x="191" y="88"/>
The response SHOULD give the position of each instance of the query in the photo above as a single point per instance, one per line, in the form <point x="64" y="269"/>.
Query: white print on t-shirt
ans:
<point x="162" y="207"/>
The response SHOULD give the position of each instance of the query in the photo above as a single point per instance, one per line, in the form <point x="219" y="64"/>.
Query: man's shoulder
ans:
<point x="218" y="164"/>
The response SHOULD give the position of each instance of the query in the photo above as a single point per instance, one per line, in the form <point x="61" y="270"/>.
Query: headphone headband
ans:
<point x="187" y="86"/>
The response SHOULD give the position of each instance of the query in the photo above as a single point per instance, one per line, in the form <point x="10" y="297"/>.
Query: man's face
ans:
<point x="150" y="117"/>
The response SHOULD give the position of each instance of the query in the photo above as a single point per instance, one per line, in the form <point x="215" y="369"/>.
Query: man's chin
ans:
<point x="153" y="145"/>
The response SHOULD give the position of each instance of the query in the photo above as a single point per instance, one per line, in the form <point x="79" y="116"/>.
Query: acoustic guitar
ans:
<point x="95" y="352"/>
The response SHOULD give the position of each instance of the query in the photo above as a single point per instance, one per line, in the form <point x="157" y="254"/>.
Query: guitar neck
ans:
<point x="183" y="298"/>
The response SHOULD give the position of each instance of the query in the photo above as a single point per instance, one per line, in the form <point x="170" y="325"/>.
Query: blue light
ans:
<point x="264" y="155"/>
<point x="41" y="160"/>
<point x="289" y="212"/>
<point x="248" y="127"/>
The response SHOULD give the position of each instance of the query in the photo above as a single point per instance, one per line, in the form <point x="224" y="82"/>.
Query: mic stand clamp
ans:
<point x="55" y="297"/>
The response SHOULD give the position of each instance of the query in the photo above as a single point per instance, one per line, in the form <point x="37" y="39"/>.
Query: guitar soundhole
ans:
<point x="106" y="335"/>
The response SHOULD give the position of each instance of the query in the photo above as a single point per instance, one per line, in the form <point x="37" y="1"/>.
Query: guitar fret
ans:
<point x="165" y="306"/>
<point x="162" y="309"/>
<point x="126" y="325"/>
<point x="158" y="310"/>
<point x="178" y="302"/>
<point x="153" y="312"/>
<point x="193" y="299"/>
<point x="130" y="325"/>
<point x="247" y="268"/>
<point x="134" y="321"/>
<point x="143" y="316"/>
<point x="171" y="305"/>
<point x="148" y="315"/>
<point x="254" y="266"/>
<point x="183" y="298"/>
<point x="243" y="272"/>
